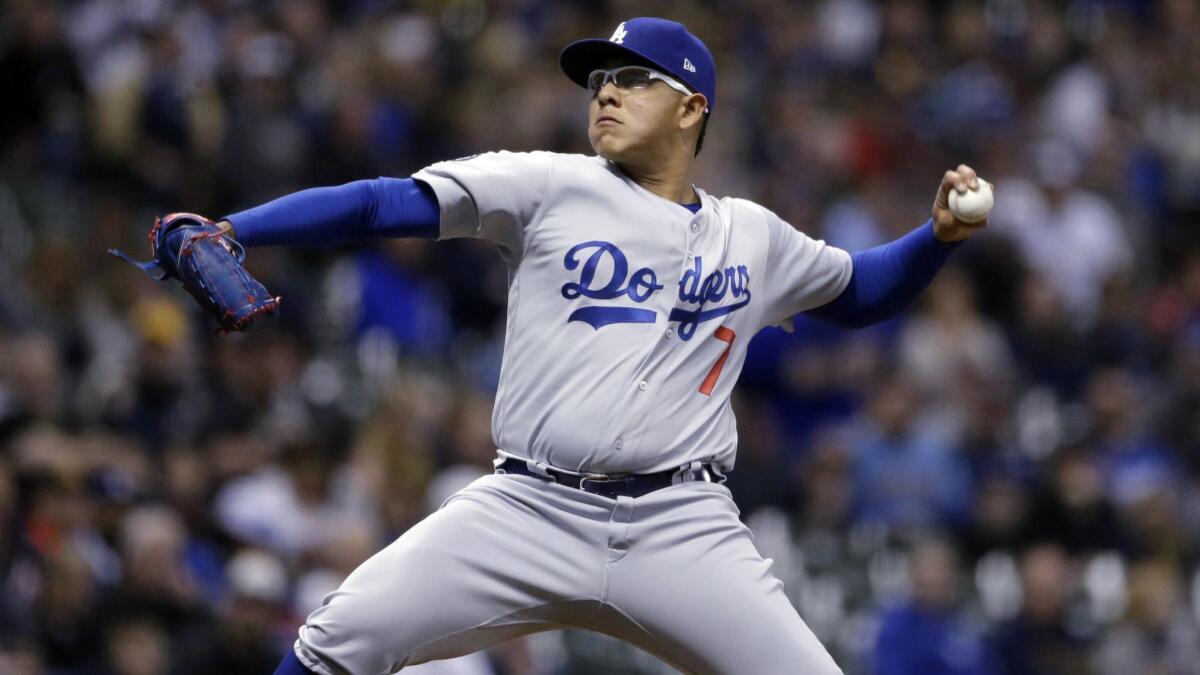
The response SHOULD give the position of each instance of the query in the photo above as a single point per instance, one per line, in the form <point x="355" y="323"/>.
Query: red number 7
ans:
<point x="724" y="335"/>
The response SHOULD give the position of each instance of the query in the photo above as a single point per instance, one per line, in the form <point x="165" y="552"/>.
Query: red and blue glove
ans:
<point x="208" y="263"/>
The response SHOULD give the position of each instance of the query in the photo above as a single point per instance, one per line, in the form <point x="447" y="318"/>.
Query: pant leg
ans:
<point x="505" y="556"/>
<point x="702" y="596"/>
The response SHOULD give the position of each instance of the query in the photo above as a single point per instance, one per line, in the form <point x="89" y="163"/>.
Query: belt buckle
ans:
<point x="598" y="482"/>
<point x="593" y="478"/>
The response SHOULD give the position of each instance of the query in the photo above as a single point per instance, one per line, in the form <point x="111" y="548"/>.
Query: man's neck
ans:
<point x="672" y="183"/>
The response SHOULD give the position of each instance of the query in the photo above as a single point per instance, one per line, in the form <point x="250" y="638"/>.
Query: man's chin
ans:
<point x="609" y="148"/>
<point x="609" y="152"/>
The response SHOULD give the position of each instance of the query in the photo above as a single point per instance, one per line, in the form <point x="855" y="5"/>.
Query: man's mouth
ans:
<point x="607" y="119"/>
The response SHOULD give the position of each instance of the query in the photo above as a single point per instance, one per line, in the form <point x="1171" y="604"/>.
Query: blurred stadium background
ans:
<point x="1004" y="480"/>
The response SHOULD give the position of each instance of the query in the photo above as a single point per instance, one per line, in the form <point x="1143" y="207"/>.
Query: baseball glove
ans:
<point x="208" y="263"/>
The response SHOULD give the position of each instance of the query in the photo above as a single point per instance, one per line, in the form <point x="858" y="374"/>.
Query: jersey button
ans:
<point x="690" y="255"/>
<point x="695" y="227"/>
<point x="643" y="386"/>
<point x="670" y="333"/>
<point x="619" y="444"/>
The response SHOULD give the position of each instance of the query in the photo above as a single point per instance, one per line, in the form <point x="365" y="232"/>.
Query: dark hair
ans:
<point x="700" y="140"/>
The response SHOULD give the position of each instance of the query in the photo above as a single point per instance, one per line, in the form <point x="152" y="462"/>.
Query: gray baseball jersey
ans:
<point x="628" y="321"/>
<point x="628" y="315"/>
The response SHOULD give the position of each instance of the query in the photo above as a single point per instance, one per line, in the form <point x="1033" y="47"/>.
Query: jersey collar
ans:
<point x="674" y="207"/>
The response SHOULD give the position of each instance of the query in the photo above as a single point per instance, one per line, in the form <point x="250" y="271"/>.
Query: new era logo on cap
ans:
<point x="687" y="65"/>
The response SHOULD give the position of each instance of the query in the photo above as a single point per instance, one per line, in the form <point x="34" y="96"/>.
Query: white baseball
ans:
<point x="974" y="205"/>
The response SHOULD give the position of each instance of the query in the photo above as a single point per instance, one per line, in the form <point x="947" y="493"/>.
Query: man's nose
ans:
<point x="609" y="94"/>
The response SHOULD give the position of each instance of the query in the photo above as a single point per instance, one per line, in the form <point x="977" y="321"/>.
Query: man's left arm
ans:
<point x="886" y="279"/>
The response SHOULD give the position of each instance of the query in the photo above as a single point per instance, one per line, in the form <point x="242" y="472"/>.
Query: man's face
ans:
<point x="628" y="125"/>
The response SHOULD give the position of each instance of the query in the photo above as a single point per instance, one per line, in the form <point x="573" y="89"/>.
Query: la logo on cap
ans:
<point x="619" y="34"/>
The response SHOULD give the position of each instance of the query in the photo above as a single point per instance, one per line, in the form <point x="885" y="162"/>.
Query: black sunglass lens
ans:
<point x="633" y="78"/>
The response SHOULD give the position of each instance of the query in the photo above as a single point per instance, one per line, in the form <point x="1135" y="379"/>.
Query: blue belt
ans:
<point x="614" y="485"/>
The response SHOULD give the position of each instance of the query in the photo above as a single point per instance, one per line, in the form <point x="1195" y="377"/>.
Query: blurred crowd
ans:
<point x="1006" y="479"/>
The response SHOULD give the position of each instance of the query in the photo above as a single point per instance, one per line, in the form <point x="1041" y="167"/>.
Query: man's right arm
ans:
<point x="328" y="216"/>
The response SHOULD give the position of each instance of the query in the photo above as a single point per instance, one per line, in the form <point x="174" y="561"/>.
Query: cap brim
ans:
<point x="580" y="58"/>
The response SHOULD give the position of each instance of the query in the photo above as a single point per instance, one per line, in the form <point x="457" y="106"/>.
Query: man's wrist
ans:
<point x="948" y="234"/>
<point x="227" y="228"/>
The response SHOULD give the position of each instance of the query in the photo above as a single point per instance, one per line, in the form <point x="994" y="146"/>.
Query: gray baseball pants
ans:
<point x="674" y="572"/>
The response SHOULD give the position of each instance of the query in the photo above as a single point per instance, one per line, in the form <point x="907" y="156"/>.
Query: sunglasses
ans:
<point x="632" y="77"/>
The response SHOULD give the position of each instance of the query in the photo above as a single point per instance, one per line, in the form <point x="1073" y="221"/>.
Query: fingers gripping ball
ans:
<point x="973" y="206"/>
<point x="208" y="263"/>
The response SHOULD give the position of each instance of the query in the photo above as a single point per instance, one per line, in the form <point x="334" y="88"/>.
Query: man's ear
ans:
<point x="693" y="111"/>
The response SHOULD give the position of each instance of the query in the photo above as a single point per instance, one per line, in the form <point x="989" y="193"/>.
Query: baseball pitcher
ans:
<point x="632" y="296"/>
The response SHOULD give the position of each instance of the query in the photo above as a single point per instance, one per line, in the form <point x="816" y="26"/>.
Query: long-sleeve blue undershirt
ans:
<point x="884" y="280"/>
<point x="325" y="216"/>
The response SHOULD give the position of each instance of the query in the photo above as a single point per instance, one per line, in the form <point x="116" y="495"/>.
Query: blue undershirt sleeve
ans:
<point x="886" y="279"/>
<point x="328" y="216"/>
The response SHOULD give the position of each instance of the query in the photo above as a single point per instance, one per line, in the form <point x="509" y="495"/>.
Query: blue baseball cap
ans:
<point x="665" y="45"/>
